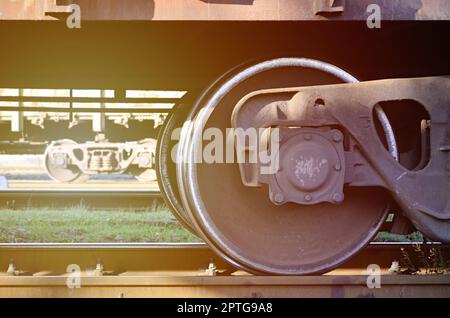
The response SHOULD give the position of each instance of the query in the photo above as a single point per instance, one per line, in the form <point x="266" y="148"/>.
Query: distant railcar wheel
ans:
<point x="57" y="165"/>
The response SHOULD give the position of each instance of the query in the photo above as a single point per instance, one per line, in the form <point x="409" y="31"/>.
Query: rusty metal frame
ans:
<point x="351" y="107"/>
<point x="354" y="286"/>
<point x="210" y="10"/>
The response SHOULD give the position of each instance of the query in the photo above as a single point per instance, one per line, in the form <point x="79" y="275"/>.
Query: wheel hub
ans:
<point x="60" y="159"/>
<point x="312" y="167"/>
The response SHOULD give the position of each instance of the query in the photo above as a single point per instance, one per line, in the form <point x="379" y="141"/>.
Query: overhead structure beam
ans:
<point x="223" y="10"/>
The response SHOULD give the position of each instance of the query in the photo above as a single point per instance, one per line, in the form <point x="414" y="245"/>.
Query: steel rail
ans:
<point x="93" y="198"/>
<point x="176" y="256"/>
<point x="84" y="109"/>
<point x="121" y="100"/>
<point x="76" y="190"/>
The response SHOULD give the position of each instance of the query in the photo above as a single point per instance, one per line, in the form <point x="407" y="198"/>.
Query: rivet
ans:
<point x="337" y="136"/>
<point x="308" y="198"/>
<point x="279" y="198"/>
<point x="307" y="137"/>
<point x="337" y="197"/>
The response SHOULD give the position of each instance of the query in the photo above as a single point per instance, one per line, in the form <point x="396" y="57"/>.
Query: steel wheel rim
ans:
<point x="169" y="187"/>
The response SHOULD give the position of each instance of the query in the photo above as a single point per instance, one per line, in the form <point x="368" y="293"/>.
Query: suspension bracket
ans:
<point x="423" y="194"/>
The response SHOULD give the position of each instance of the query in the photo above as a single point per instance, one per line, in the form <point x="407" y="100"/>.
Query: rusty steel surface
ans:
<point x="155" y="270"/>
<point x="275" y="10"/>
<point x="234" y="287"/>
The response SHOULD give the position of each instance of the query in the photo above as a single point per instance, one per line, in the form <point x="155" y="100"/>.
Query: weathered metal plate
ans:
<point x="242" y="286"/>
<point x="213" y="10"/>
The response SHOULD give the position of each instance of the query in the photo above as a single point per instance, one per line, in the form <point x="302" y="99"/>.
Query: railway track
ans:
<point x="155" y="270"/>
<point x="91" y="185"/>
<point x="105" y="194"/>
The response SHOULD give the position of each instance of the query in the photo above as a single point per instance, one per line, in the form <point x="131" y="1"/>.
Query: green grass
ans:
<point x="82" y="225"/>
<point x="390" y="237"/>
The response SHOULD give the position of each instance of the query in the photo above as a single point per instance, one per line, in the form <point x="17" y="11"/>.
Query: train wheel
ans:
<point x="241" y="223"/>
<point x="57" y="169"/>
<point x="165" y="164"/>
<point x="167" y="154"/>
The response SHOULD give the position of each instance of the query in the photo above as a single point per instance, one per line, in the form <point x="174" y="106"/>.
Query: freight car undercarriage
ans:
<point x="82" y="136"/>
<point x="67" y="161"/>
<point x="346" y="154"/>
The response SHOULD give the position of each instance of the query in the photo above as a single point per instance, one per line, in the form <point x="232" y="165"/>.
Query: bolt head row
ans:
<point x="337" y="197"/>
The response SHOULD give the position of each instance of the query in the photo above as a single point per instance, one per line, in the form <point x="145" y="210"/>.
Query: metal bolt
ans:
<point x="337" y="167"/>
<point x="395" y="268"/>
<point x="337" y="136"/>
<point x="212" y="269"/>
<point x="307" y="137"/>
<point x="99" y="268"/>
<point x="279" y="198"/>
<point x="308" y="198"/>
<point x="11" y="271"/>
<point x="337" y="197"/>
